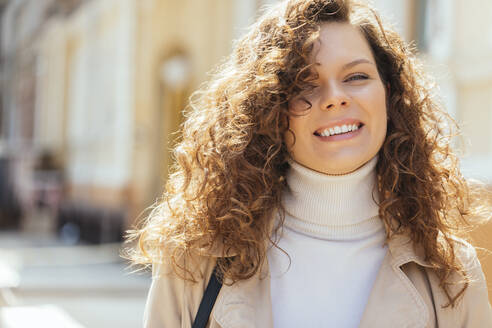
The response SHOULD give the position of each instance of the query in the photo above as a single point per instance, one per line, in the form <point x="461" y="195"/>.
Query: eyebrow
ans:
<point x="354" y="63"/>
<point x="357" y="62"/>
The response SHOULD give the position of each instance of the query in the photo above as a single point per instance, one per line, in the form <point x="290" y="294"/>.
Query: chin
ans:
<point x="343" y="168"/>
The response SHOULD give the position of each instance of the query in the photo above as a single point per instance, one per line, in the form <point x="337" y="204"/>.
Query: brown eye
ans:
<point x="356" y="77"/>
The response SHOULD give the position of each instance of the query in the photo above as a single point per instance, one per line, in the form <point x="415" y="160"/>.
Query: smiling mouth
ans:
<point x="338" y="130"/>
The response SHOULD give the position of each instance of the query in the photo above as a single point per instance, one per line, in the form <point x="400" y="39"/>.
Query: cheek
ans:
<point x="383" y="129"/>
<point x="377" y="108"/>
<point x="381" y="119"/>
<point x="289" y="140"/>
<point x="297" y="124"/>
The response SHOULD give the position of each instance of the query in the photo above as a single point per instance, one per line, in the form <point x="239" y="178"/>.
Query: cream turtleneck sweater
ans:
<point x="335" y="239"/>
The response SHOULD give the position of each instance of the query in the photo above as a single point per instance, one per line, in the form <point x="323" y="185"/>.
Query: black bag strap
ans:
<point x="208" y="301"/>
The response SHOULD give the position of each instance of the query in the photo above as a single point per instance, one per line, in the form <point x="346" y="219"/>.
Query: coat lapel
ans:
<point x="246" y="304"/>
<point x="394" y="301"/>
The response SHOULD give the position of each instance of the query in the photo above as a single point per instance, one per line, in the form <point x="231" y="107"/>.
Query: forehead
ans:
<point x="340" y="42"/>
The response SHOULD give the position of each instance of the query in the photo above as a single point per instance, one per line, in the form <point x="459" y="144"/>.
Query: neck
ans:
<point x="332" y="206"/>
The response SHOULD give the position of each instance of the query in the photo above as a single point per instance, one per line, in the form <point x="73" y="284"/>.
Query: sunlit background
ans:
<point x="90" y="93"/>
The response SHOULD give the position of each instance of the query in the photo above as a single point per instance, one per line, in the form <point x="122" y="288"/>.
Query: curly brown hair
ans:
<point x="231" y="161"/>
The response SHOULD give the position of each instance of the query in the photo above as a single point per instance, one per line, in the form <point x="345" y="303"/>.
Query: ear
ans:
<point x="388" y="87"/>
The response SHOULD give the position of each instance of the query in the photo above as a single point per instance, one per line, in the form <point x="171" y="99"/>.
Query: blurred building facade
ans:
<point x="100" y="85"/>
<point x="455" y="40"/>
<point x="92" y="90"/>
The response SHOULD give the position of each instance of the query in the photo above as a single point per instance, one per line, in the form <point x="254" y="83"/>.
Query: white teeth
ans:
<point x="339" y="130"/>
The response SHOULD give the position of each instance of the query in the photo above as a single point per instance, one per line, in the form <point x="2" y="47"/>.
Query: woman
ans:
<point x="314" y="175"/>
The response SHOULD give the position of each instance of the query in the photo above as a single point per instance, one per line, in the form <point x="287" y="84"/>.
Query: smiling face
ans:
<point x="345" y="124"/>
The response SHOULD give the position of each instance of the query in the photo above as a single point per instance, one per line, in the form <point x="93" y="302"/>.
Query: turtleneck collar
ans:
<point x="332" y="206"/>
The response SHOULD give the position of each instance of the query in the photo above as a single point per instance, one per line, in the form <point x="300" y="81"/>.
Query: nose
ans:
<point x="334" y="97"/>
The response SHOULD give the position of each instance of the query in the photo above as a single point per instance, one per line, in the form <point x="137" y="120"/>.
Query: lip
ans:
<point x="347" y="121"/>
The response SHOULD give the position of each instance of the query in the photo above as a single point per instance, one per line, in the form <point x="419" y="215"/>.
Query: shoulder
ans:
<point x="471" y="274"/>
<point x="474" y="308"/>
<point x="176" y="290"/>
<point x="466" y="254"/>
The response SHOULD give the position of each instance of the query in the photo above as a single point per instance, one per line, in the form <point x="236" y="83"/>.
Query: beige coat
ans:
<point x="406" y="293"/>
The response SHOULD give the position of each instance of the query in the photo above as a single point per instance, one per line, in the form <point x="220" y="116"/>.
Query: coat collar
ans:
<point x="246" y="303"/>
<point x="393" y="301"/>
